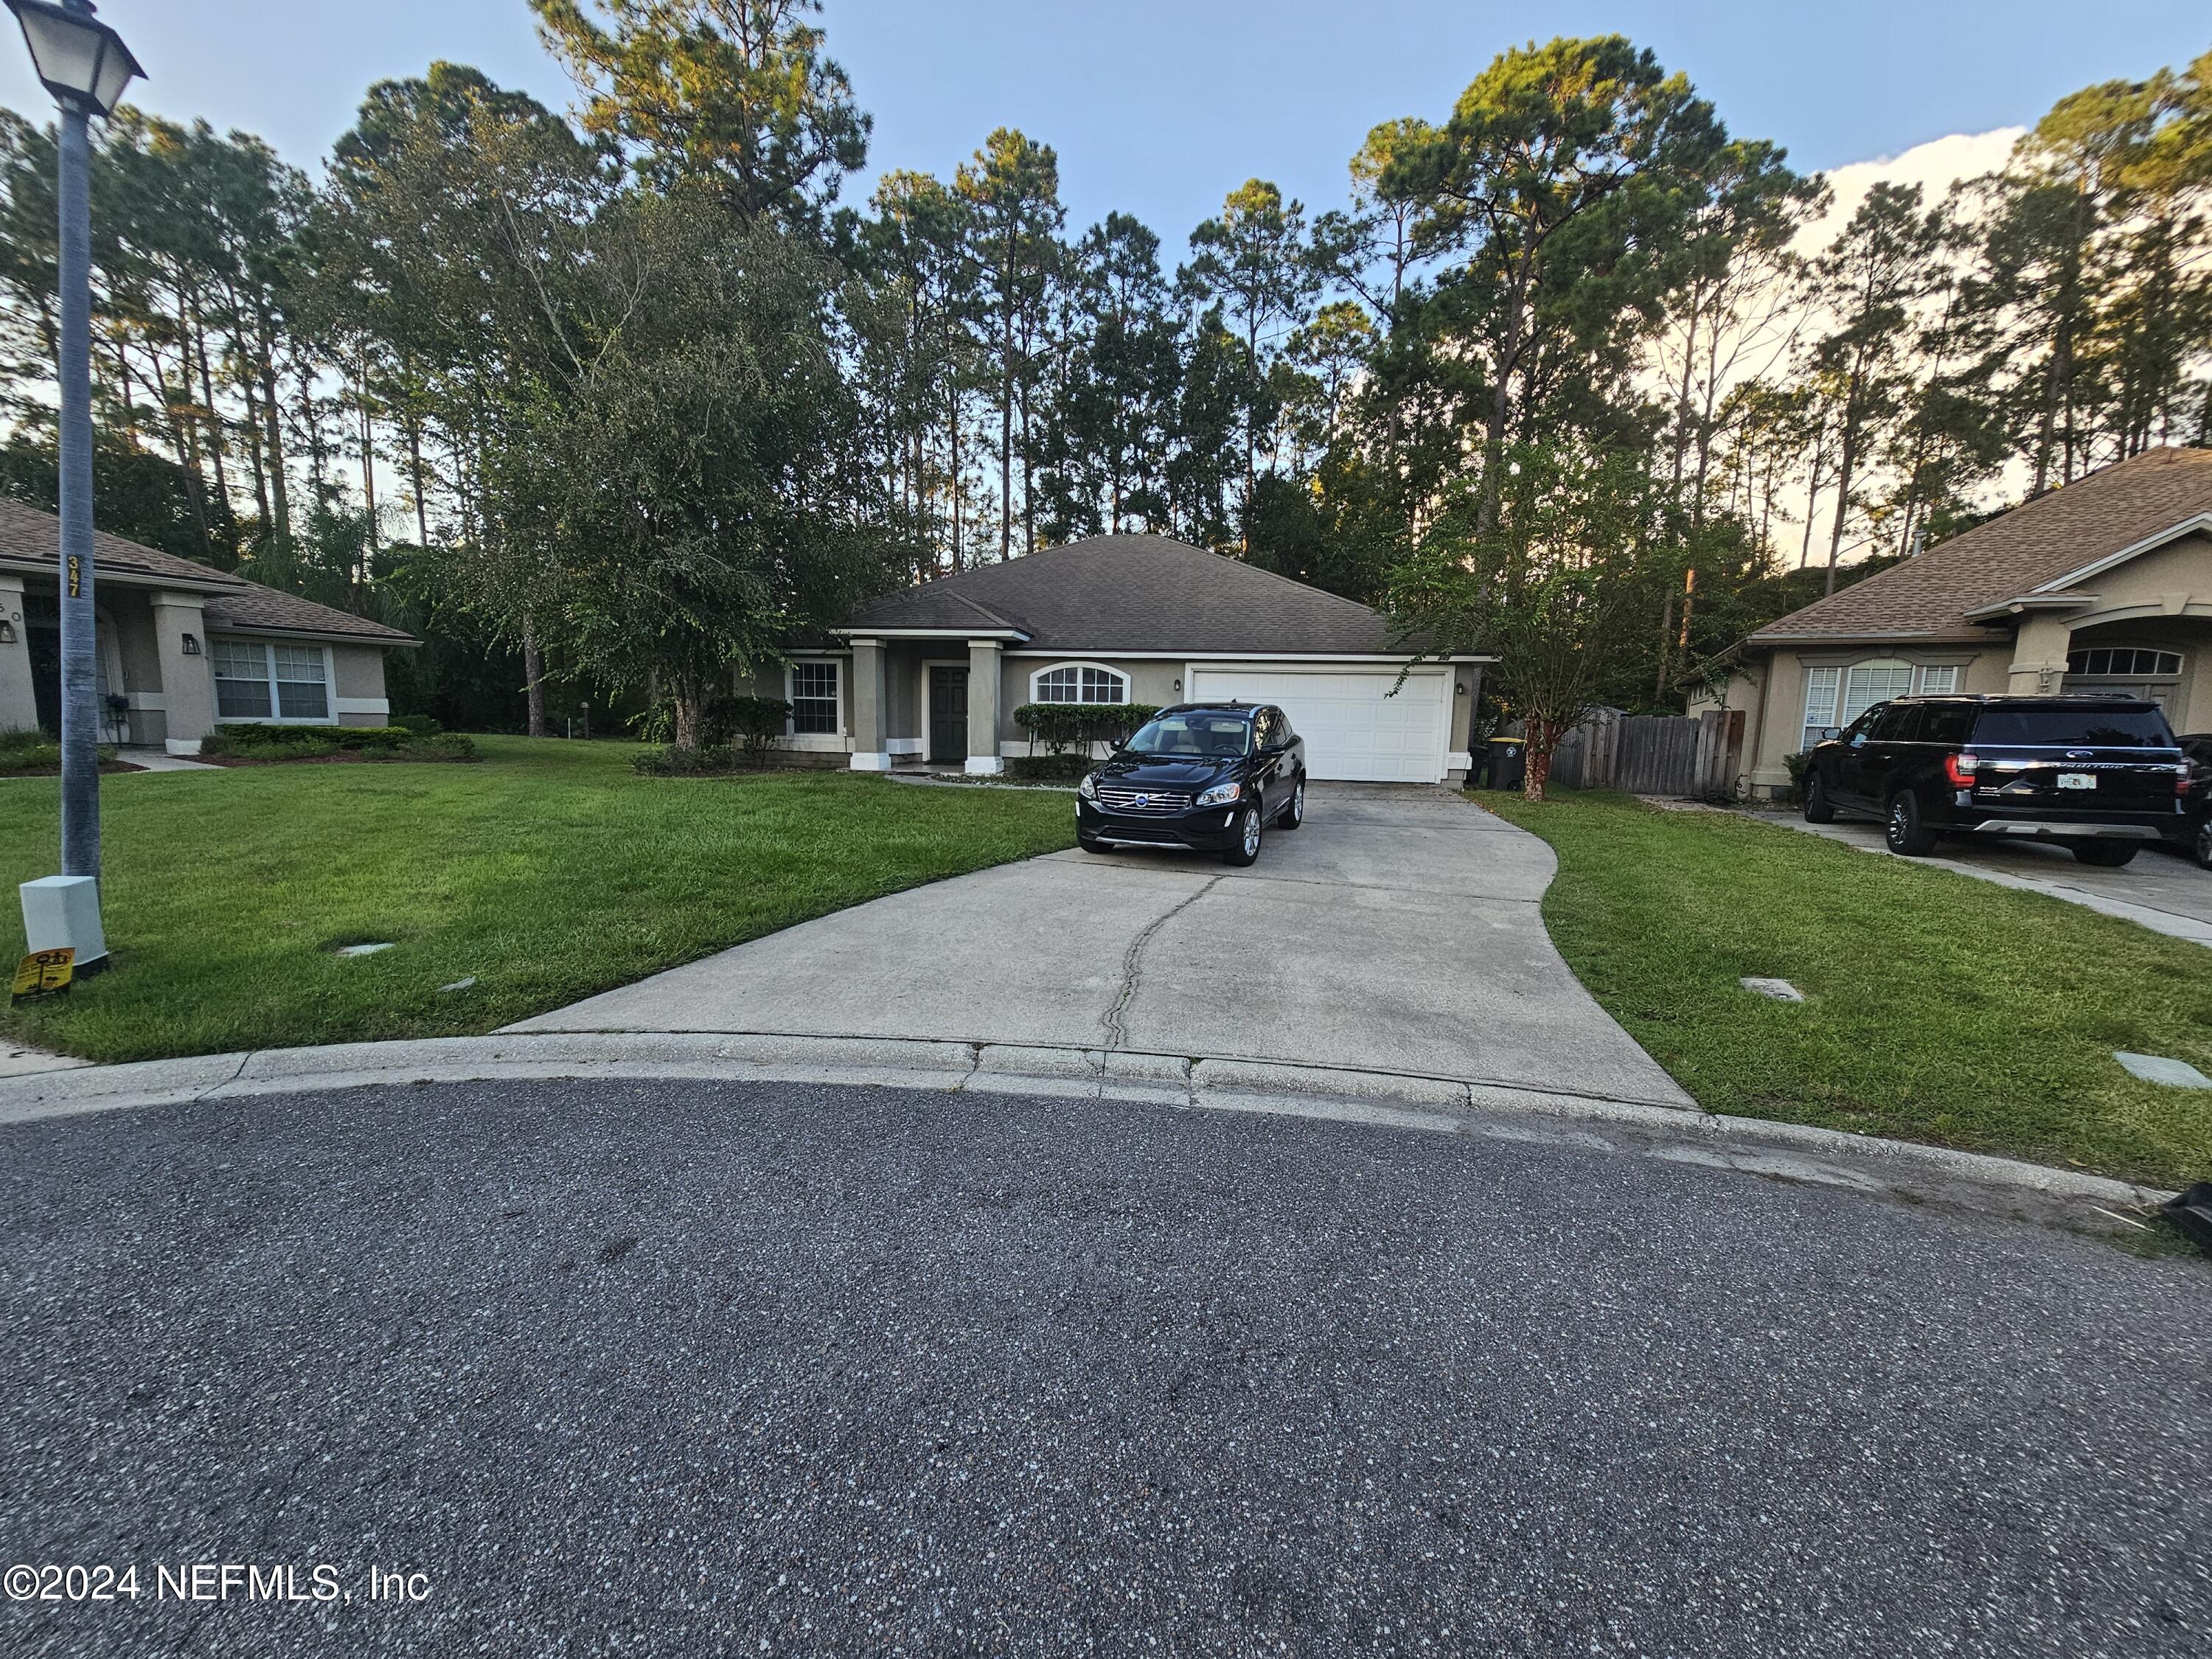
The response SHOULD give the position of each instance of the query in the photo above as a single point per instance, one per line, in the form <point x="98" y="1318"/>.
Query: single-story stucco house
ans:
<point x="932" y="674"/>
<point x="2104" y="585"/>
<point x="187" y="647"/>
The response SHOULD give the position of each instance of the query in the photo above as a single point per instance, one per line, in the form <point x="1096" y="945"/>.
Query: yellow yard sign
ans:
<point x="44" y="972"/>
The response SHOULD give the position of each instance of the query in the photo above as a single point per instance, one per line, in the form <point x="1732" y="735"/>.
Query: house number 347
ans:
<point x="76" y="575"/>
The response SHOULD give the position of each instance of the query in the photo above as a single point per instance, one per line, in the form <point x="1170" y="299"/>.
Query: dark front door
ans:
<point x="948" y="716"/>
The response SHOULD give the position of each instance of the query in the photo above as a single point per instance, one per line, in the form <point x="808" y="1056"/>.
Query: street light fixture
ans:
<point x="78" y="59"/>
<point x="85" y="64"/>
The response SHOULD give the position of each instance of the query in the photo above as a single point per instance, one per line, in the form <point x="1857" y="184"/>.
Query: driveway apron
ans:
<point x="1396" y="931"/>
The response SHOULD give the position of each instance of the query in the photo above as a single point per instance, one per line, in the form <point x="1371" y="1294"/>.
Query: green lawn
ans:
<point x="547" y="872"/>
<point x="1940" y="1008"/>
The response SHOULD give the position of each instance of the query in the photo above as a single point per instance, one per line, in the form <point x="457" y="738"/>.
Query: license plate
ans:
<point x="2077" y="780"/>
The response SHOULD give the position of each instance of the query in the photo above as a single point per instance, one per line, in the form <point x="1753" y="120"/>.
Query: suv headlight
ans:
<point x="1087" y="786"/>
<point x="1220" y="795"/>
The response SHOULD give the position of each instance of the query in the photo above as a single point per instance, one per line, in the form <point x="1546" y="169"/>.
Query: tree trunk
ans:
<point x="281" y="523"/>
<point x="1543" y="736"/>
<point x="415" y="461"/>
<point x="1006" y="443"/>
<point x="1501" y="404"/>
<point x="214" y="416"/>
<point x="954" y="483"/>
<point x="1846" y="463"/>
<point x="533" y="678"/>
<point x="253" y="453"/>
<point x="684" y="694"/>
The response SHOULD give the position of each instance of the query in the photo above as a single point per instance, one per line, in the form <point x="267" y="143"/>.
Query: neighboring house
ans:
<point x="932" y="674"/>
<point x="2104" y="585"/>
<point x="187" y="646"/>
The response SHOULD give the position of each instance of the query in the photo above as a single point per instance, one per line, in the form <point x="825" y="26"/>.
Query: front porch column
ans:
<point x="18" y="701"/>
<point x="983" y="707"/>
<point x="187" y="679"/>
<point x="871" y="751"/>
<point x="2038" y="655"/>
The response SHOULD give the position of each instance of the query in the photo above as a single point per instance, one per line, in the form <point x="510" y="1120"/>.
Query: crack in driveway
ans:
<point x="1111" y="1019"/>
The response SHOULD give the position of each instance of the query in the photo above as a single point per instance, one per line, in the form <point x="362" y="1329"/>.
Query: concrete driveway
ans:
<point x="1396" y="932"/>
<point x="2162" y="890"/>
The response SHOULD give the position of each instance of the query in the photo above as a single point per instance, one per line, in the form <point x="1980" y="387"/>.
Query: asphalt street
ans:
<point x="717" y="1369"/>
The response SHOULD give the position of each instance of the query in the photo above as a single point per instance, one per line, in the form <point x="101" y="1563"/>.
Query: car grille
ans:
<point x="1150" y="802"/>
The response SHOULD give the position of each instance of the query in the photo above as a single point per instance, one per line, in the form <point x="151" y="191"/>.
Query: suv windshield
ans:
<point x="2078" y="728"/>
<point x="1199" y="733"/>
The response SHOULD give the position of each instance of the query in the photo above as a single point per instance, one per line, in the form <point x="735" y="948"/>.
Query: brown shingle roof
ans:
<point x="2037" y="542"/>
<point x="1110" y="594"/>
<point x="30" y="536"/>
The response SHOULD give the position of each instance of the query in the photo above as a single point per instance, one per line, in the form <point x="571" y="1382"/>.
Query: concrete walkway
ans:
<point x="1396" y="932"/>
<point x="2160" y="890"/>
<point x="148" y="759"/>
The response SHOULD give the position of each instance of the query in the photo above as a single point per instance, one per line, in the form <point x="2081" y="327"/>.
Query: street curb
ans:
<point x="1481" y="1108"/>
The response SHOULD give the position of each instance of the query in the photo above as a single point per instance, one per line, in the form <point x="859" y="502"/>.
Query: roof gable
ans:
<point x="2041" y="546"/>
<point x="1123" y="593"/>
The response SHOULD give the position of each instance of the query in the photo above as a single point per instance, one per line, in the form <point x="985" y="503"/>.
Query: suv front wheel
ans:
<point x="1247" y="848"/>
<point x="1907" y="831"/>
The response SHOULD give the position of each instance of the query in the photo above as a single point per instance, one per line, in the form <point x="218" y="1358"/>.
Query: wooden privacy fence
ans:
<point x="1697" y="756"/>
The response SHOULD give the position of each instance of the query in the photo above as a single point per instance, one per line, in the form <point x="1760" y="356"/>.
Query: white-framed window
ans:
<point x="277" y="680"/>
<point x="1821" y="686"/>
<point x="1078" y="682"/>
<point x="1867" y="684"/>
<point x="815" y="709"/>
<point x="1937" y="679"/>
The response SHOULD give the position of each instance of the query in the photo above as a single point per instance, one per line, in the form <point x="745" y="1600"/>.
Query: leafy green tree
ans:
<point x="450" y="251"/>
<point x="736" y="93"/>
<point x="1554" y="196"/>
<point x="1011" y="189"/>
<point x="917" y="355"/>
<point x="701" y="499"/>
<point x="1113" y="411"/>
<point x="1880" y="268"/>
<point x="1256" y="265"/>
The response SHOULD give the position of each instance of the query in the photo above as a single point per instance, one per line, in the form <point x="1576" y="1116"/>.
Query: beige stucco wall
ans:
<point x="2161" y="599"/>
<point x="1155" y="681"/>
<point x="357" y="687"/>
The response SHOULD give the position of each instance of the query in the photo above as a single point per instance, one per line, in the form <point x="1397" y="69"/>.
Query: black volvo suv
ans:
<point x="1206" y="775"/>
<point x="2100" y="775"/>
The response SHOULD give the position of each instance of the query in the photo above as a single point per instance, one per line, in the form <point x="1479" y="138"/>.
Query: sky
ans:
<point x="1161" y="107"/>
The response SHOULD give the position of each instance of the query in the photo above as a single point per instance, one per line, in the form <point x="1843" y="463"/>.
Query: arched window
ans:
<point x="1078" y="682"/>
<point x="2129" y="662"/>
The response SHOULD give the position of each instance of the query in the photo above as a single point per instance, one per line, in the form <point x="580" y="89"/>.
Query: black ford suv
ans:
<point x="2101" y="776"/>
<point x="1206" y="776"/>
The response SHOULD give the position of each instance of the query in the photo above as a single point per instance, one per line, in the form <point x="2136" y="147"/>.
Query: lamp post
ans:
<point x="85" y="65"/>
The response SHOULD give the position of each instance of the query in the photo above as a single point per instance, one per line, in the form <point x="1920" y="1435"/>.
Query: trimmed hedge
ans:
<point x="713" y="760"/>
<point x="1048" y="769"/>
<point x="29" y="750"/>
<point x="256" y="742"/>
<point x="1061" y="726"/>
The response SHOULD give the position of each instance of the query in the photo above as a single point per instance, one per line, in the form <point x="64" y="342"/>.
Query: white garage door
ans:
<point x="1353" y="727"/>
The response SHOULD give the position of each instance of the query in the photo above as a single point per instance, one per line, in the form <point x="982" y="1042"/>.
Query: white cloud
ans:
<point x="1935" y="165"/>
